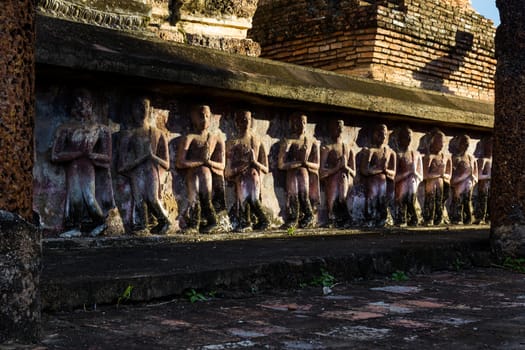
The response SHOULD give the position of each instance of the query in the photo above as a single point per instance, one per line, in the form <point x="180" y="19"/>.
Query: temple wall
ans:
<point x="115" y="66"/>
<point x="434" y="44"/>
<point x="171" y="115"/>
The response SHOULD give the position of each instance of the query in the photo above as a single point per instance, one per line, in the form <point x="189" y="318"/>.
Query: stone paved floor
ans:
<point x="467" y="309"/>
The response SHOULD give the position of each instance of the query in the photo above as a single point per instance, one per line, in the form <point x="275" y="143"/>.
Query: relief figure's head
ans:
<point x="298" y="122"/>
<point x="201" y="118"/>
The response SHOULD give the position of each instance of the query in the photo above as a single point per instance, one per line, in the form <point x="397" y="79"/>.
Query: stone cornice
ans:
<point x="71" y="45"/>
<point x="82" y="13"/>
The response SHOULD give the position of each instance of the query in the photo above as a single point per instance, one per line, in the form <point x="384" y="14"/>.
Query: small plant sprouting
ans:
<point x="290" y="231"/>
<point x="194" y="296"/>
<point x="324" y="280"/>
<point x="125" y="296"/>
<point x="458" y="264"/>
<point x="514" y="264"/>
<point x="399" y="276"/>
<point x="254" y="289"/>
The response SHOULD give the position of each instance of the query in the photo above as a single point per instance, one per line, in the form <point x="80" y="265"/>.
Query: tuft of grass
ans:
<point x="399" y="276"/>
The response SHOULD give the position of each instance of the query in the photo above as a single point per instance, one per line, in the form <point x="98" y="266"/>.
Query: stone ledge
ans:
<point x="129" y="241"/>
<point x="85" y="276"/>
<point x="69" y="45"/>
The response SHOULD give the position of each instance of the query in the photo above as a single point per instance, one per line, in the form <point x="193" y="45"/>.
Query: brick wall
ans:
<point x="436" y="45"/>
<point x="460" y="3"/>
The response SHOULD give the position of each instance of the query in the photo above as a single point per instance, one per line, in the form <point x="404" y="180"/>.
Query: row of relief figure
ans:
<point x="388" y="178"/>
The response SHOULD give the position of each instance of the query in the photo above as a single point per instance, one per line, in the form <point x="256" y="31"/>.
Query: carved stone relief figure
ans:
<point x="464" y="177"/>
<point x="378" y="167"/>
<point x="409" y="173"/>
<point x="83" y="147"/>
<point x="484" y="177"/>
<point x="201" y="154"/>
<point x="337" y="170"/>
<point x="437" y="169"/>
<point x="299" y="157"/>
<point x="246" y="161"/>
<point x="143" y="155"/>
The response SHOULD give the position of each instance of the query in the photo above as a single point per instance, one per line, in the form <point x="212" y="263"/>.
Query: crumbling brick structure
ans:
<point x="433" y="44"/>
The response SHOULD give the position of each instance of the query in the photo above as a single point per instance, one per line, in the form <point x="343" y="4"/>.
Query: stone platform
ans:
<point x="88" y="272"/>
<point x="480" y="308"/>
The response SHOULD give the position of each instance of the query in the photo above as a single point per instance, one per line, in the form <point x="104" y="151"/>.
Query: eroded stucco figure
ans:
<point x="299" y="157"/>
<point x="409" y="173"/>
<point x="201" y="154"/>
<point x="378" y="168"/>
<point x="143" y="156"/>
<point x="437" y="169"/>
<point x="246" y="161"/>
<point x="83" y="147"/>
<point x="484" y="177"/>
<point x="464" y="177"/>
<point x="337" y="170"/>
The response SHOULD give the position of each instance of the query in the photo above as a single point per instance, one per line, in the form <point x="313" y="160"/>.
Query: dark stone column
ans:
<point x="508" y="180"/>
<point x="19" y="241"/>
<point x="20" y="270"/>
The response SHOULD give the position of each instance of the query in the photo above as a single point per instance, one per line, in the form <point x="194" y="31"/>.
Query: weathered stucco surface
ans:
<point x="218" y="24"/>
<point x="121" y="14"/>
<point x="218" y="8"/>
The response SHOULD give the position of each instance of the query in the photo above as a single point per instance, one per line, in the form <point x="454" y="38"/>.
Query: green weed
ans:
<point x="290" y="231"/>
<point x="514" y="264"/>
<point x="399" y="276"/>
<point x="125" y="296"/>
<point x="324" y="280"/>
<point x="194" y="296"/>
<point x="458" y="264"/>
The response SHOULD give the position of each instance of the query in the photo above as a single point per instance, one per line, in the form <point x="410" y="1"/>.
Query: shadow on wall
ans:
<point x="433" y="75"/>
<point x="399" y="4"/>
